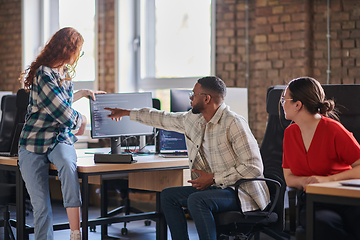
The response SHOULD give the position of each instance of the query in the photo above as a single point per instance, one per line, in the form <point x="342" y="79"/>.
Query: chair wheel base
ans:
<point x="92" y="228"/>
<point x="124" y="231"/>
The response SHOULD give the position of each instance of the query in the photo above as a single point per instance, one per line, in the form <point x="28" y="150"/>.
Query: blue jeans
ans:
<point x="201" y="205"/>
<point x="34" y="169"/>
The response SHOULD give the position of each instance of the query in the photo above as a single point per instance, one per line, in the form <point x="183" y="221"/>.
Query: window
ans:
<point x="42" y="18"/>
<point x="175" y="40"/>
<point x="163" y="44"/>
<point x="80" y="14"/>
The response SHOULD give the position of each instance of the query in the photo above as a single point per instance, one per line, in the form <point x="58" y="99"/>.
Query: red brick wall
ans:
<point x="344" y="41"/>
<point x="106" y="39"/>
<point x="287" y="39"/>
<point x="10" y="44"/>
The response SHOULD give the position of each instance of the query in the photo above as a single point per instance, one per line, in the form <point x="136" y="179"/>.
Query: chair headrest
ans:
<point x="346" y="97"/>
<point x="273" y="98"/>
<point x="8" y="103"/>
<point x="22" y="99"/>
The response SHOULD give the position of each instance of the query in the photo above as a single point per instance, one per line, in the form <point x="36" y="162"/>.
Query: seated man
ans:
<point x="221" y="150"/>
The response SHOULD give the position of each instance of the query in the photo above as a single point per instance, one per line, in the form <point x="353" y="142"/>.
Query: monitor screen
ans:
<point x="171" y="142"/>
<point x="179" y="100"/>
<point x="104" y="127"/>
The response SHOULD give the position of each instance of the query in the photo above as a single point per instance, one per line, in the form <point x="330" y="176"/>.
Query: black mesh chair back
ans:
<point x="272" y="146"/>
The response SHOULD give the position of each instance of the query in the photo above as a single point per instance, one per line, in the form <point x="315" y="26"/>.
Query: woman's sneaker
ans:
<point x="75" y="235"/>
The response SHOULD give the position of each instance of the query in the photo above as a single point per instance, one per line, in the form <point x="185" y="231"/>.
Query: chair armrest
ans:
<point x="269" y="180"/>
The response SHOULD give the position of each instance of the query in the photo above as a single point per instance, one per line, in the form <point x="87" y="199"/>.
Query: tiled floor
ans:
<point x="136" y="230"/>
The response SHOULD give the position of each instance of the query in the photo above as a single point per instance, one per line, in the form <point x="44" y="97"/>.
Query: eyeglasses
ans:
<point x="192" y="94"/>
<point x="283" y="100"/>
<point x="81" y="54"/>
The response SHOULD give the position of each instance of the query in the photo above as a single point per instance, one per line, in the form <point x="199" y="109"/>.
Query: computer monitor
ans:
<point x="179" y="100"/>
<point x="171" y="142"/>
<point x="104" y="127"/>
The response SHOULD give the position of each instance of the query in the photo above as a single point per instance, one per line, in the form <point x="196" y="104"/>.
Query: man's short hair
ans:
<point x="213" y="84"/>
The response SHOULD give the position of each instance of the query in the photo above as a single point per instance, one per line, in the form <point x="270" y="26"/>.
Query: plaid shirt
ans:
<point x="233" y="150"/>
<point x="50" y="118"/>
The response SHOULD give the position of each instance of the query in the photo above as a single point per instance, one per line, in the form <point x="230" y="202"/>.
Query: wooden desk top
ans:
<point x="9" y="161"/>
<point x="333" y="189"/>
<point x="86" y="163"/>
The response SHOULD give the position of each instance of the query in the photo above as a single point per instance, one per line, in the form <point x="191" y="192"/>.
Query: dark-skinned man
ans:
<point x="221" y="150"/>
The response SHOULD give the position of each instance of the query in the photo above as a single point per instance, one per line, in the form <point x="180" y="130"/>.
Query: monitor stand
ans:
<point x="116" y="155"/>
<point x="115" y="145"/>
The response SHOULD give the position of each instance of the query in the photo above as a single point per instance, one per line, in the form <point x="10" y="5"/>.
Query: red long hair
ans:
<point x="58" y="51"/>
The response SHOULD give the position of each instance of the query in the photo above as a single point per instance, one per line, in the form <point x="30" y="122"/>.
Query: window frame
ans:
<point x="135" y="83"/>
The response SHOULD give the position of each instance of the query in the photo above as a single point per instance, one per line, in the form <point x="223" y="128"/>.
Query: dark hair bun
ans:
<point x="326" y="106"/>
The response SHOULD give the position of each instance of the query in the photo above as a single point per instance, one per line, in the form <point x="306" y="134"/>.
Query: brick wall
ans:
<point x="287" y="39"/>
<point x="10" y="44"/>
<point x="344" y="41"/>
<point x="106" y="39"/>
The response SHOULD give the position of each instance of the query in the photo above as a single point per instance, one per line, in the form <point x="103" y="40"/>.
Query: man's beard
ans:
<point x="197" y="108"/>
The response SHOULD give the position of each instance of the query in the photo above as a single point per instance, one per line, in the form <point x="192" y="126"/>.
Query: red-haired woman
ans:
<point x="46" y="137"/>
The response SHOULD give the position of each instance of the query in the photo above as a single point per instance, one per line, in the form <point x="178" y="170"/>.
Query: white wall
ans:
<point x="237" y="100"/>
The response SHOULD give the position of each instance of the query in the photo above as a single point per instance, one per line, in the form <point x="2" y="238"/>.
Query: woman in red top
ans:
<point x="318" y="149"/>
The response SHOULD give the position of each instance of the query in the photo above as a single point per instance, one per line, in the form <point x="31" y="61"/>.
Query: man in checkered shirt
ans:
<point x="221" y="150"/>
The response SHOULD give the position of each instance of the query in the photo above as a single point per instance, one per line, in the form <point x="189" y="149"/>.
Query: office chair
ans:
<point x="7" y="127"/>
<point x="347" y="101"/>
<point x="14" y="111"/>
<point x="272" y="220"/>
<point x="8" y="189"/>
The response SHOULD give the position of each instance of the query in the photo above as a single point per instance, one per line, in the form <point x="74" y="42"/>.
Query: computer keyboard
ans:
<point x="173" y="155"/>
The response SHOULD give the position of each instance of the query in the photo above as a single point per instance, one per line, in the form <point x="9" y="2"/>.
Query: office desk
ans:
<point x="160" y="172"/>
<point x="331" y="192"/>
